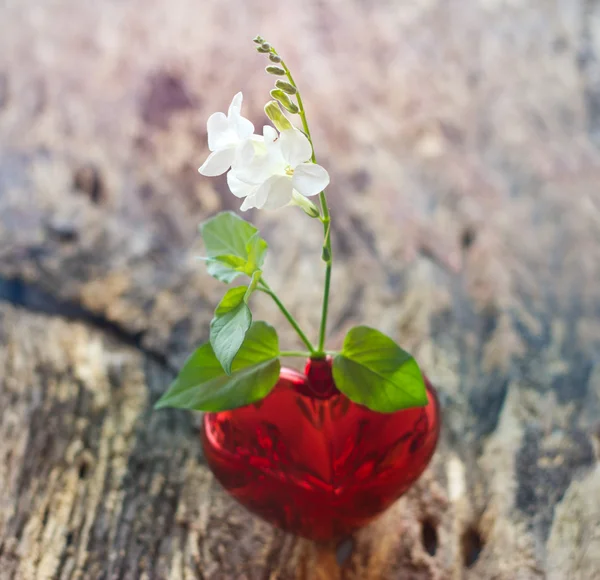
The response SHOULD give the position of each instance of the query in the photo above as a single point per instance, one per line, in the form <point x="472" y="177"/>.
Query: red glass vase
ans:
<point x="314" y="463"/>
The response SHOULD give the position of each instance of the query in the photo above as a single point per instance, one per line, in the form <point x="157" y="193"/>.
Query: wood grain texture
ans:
<point x="462" y="139"/>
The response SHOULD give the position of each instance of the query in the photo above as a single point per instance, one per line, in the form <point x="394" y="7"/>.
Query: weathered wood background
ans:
<point x="463" y="140"/>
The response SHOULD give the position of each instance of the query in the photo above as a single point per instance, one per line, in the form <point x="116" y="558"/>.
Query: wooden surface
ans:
<point x="462" y="139"/>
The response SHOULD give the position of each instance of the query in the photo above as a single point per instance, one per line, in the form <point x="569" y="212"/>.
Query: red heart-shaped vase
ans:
<point x="314" y="463"/>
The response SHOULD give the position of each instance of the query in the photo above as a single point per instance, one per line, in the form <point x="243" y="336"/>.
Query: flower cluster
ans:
<point x="268" y="171"/>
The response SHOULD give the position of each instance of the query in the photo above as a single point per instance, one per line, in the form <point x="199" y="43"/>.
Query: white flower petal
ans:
<point x="273" y="148"/>
<point x="238" y="187"/>
<point x="245" y="153"/>
<point x="310" y="179"/>
<point x="274" y="193"/>
<point x="254" y="172"/>
<point x="218" y="162"/>
<point x="248" y="203"/>
<point x="236" y="104"/>
<point x="264" y="163"/>
<point x="240" y="126"/>
<point x="219" y="134"/>
<point x="295" y="147"/>
<point x="270" y="134"/>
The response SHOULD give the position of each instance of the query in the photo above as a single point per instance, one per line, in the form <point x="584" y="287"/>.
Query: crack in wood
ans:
<point x="33" y="298"/>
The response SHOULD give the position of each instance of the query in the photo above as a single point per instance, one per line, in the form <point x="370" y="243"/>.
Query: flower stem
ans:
<point x="325" y="307"/>
<point x="264" y="287"/>
<point x="296" y="353"/>
<point x="325" y="218"/>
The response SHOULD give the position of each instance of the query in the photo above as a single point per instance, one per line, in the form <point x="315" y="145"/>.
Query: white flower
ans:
<point x="270" y="174"/>
<point x="226" y="134"/>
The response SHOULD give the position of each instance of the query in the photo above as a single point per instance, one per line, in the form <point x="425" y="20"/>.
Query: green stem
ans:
<point x="325" y="218"/>
<point x="267" y="290"/>
<point x="325" y="307"/>
<point x="297" y="353"/>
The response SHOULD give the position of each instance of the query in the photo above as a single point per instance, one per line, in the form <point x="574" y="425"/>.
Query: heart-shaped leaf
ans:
<point x="234" y="247"/>
<point x="372" y="370"/>
<point x="202" y="384"/>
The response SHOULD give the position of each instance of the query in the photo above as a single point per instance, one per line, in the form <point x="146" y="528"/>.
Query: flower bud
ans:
<point x="284" y="100"/>
<point x="258" y="39"/>
<point x="275" y="58"/>
<point x="307" y="206"/>
<point x="275" y="70"/>
<point x="263" y="50"/>
<point x="286" y="87"/>
<point x="266" y="46"/>
<point x="310" y="209"/>
<point x="274" y="112"/>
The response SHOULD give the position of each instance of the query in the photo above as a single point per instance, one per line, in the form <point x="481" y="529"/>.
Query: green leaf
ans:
<point x="256" y="248"/>
<point x="202" y="384"/>
<point x="231" y="322"/>
<point x="372" y="370"/>
<point x="227" y="233"/>
<point x="229" y="326"/>
<point x="253" y="284"/>
<point x="225" y="268"/>
<point x="233" y="245"/>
